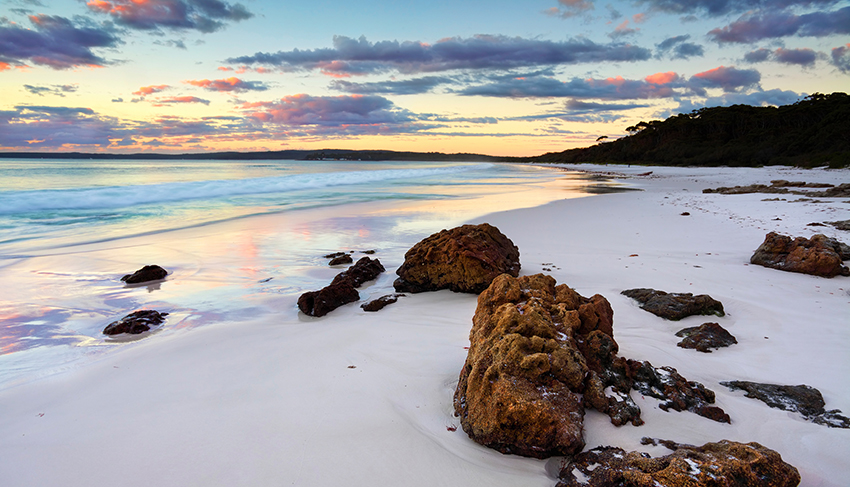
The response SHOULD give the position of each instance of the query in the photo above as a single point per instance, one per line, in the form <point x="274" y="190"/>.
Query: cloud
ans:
<point x="722" y="7"/>
<point x="413" y="86"/>
<point x="58" y="90"/>
<point x="44" y="127"/>
<point x="180" y="99"/>
<point x="660" y="85"/>
<point x="55" y="42"/>
<point x="359" y="56"/>
<point x="774" y="97"/>
<point x="841" y="58"/>
<point x="622" y="30"/>
<point x="231" y="84"/>
<point x="570" y="8"/>
<point x="150" y="90"/>
<point x="200" y="15"/>
<point x="730" y="79"/>
<point x="677" y="48"/>
<point x="802" y="57"/>
<point x="753" y="27"/>
<point x="329" y="111"/>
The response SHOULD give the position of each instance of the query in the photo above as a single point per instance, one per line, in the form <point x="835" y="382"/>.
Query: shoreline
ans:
<point x="273" y="400"/>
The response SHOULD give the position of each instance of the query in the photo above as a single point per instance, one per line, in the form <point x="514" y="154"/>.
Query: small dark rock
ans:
<point x="334" y="255"/>
<point x="815" y="224"/>
<point x="705" y="337"/>
<point x="135" y="323"/>
<point x="368" y="252"/>
<point x="802" y="399"/>
<point x="722" y="464"/>
<point x="381" y="303"/>
<point x="341" y="290"/>
<point x="685" y="213"/>
<point x="341" y="260"/>
<point x="364" y="270"/>
<point x="675" y="306"/>
<point x="321" y="302"/>
<point x="145" y="274"/>
<point x="680" y="394"/>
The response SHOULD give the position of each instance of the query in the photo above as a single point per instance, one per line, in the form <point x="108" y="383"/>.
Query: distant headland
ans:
<point x="813" y="132"/>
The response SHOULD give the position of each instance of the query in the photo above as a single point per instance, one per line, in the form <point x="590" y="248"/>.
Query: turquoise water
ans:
<point x="46" y="204"/>
<point x="241" y="239"/>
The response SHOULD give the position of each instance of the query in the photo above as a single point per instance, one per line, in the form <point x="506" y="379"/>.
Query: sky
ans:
<point x="494" y="77"/>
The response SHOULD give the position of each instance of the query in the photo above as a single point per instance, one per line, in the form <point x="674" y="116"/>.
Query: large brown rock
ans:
<point x="540" y="354"/>
<point x="519" y="390"/>
<point x="722" y="464"/>
<point x="819" y="256"/>
<point x="464" y="259"/>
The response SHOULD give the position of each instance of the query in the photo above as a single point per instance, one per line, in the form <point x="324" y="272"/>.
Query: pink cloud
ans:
<point x="232" y="84"/>
<point x="150" y="90"/>
<point x="662" y="78"/>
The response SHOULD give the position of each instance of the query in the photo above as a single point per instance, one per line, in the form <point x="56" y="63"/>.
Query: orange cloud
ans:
<point x="149" y="90"/>
<point x="662" y="78"/>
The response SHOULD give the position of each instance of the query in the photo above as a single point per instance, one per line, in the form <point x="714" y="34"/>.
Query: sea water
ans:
<point x="239" y="238"/>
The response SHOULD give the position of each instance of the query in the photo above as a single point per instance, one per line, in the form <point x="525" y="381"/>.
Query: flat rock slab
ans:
<point x="135" y="323"/>
<point x="802" y="399"/>
<point x="464" y="259"/>
<point x="722" y="464"/>
<point x="675" y="306"/>
<point x="145" y="274"/>
<point x="705" y="337"/>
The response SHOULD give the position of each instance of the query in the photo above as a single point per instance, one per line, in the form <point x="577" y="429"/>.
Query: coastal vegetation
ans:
<point x="814" y="131"/>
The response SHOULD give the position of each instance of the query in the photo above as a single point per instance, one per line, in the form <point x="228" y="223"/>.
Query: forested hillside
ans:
<point x="812" y="132"/>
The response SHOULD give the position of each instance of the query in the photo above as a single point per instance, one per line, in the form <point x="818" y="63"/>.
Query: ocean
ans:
<point x="239" y="238"/>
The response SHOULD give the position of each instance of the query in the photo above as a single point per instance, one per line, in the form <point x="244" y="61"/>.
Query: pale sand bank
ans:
<point x="275" y="401"/>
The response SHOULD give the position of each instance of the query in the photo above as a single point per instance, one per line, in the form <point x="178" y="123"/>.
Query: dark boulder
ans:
<point x="841" y="224"/>
<point x="381" y="303"/>
<point x="463" y="259"/>
<point x="341" y="290"/>
<point x="675" y="306"/>
<point x="802" y="399"/>
<point x="145" y="274"/>
<point x="705" y="337"/>
<point x="722" y="464"/>
<point x="135" y="323"/>
<point x="818" y="256"/>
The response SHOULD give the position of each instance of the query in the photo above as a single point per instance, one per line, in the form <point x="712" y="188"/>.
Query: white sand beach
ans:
<point x="266" y="396"/>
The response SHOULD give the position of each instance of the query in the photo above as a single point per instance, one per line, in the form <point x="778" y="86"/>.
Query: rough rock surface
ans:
<point x="675" y="306"/>
<point x="841" y="224"/>
<point x="803" y="399"/>
<point x="135" y="322"/>
<point x="341" y="290"/>
<point x="819" y="256"/>
<point x="722" y="464"/>
<point x="463" y="259"/>
<point x="705" y="337"/>
<point x="381" y="303"/>
<point x="145" y="274"/>
<point x="539" y="355"/>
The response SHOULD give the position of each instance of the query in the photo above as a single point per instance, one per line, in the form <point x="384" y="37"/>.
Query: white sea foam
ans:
<point x="16" y="202"/>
